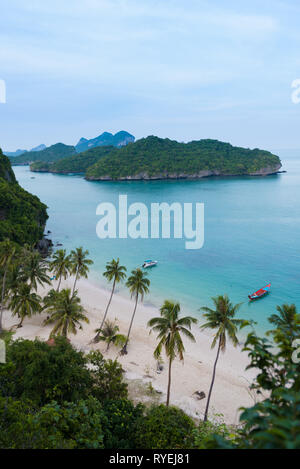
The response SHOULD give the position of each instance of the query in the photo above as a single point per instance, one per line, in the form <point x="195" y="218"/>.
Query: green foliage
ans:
<point x="164" y="428"/>
<point x="50" y="154"/>
<point x="107" y="378"/>
<point x="122" y="423"/>
<point x="68" y="426"/>
<point x="22" y="215"/>
<point x="156" y="157"/>
<point x="41" y="373"/>
<point x="6" y="172"/>
<point x="205" y="431"/>
<point x="73" y="164"/>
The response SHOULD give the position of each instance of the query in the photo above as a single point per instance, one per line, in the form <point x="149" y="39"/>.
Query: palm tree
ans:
<point x="60" y="266"/>
<point x="109" y="334"/>
<point x="24" y="303"/>
<point x="79" y="264"/>
<point x="286" y="319"/>
<point x="170" y="327"/>
<point x="116" y="273"/>
<point x="287" y="324"/>
<point x="222" y="319"/>
<point x="138" y="286"/>
<point x="7" y="253"/>
<point x="66" y="313"/>
<point x="36" y="270"/>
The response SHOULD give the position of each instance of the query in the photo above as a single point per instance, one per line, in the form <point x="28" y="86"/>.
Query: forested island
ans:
<point x="54" y="153"/>
<point x="78" y="163"/>
<point x="22" y="215"/>
<point x="157" y="158"/>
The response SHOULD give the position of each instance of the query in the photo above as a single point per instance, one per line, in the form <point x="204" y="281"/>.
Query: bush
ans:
<point x="41" y="373"/>
<point x="122" y="417"/>
<point x="54" y="426"/>
<point x="107" y="378"/>
<point x="164" y="428"/>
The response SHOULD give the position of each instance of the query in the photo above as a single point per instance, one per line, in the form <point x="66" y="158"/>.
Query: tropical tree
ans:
<point x="286" y="320"/>
<point x="114" y="273"/>
<point x="25" y="303"/>
<point x="110" y="334"/>
<point x="60" y="265"/>
<point x="222" y="319"/>
<point x="66" y="313"/>
<point x="7" y="253"/>
<point x="138" y="285"/>
<point x="80" y="264"/>
<point x="35" y="270"/>
<point x="171" y="328"/>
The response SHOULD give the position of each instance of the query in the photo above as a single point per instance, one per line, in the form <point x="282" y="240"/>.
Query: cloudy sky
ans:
<point x="184" y="69"/>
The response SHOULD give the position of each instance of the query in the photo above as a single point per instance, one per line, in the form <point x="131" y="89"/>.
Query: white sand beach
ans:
<point x="231" y="389"/>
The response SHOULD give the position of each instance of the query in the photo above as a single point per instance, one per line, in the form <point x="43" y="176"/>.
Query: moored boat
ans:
<point x="260" y="293"/>
<point x="149" y="263"/>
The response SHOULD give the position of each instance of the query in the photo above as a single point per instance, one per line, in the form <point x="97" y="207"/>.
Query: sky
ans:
<point x="182" y="69"/>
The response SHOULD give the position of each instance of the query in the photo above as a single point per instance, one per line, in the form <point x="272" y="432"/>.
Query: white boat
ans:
<point x="149" y="263"/>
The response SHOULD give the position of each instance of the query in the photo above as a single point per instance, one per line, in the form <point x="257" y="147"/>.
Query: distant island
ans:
<point x="156" y="158"/>
<point x="77" y="163"/>
<point x="60" y="150"/>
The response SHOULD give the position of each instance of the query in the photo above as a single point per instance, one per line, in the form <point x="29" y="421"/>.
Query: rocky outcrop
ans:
<point x="202" y="174"/>
<point x="44" y="246"/>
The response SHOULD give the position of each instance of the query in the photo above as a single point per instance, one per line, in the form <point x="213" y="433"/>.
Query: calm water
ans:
<point x="252" y="233"/>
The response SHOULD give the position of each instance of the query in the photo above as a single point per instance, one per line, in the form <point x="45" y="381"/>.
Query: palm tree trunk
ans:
<point x="96" y="338"/>
<point x="124" y="349"/>
<point x="169" y="382"/>
<point x="65" y="330"/>
<point x="76" y="278"/>
<point x="2" y="300"/>
<point x="21" y="322"/>
<point x="212" y="383"/>
<point x="58" y="284"/>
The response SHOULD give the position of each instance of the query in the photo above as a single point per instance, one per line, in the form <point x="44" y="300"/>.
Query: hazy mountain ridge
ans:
<point x="60" y="150"/>
<point x="120" y="139"/>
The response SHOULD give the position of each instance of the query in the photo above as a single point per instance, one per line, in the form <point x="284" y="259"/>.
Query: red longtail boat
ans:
<point x="260" y="293"/>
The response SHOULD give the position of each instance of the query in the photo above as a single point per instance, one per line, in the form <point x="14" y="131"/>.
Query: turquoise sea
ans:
<point x="252" y="235"/>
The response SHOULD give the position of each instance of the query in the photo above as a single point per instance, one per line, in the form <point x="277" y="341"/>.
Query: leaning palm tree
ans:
<point x="35" y="270"/>
<point x="66" y="313"/>
<point x="110" y="334"/>
<point x="79" y="264"/>
<point x="170" y="328"/>
<point x="222" y="319"/>
<point x="138" y="285"/>
<point x="7" y="253"/>
<point x="114" y="273"/>
<point x="60" y="265"/>
<point x="25" y="303"/>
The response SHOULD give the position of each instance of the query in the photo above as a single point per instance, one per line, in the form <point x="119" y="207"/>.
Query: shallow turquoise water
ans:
<point x="252" y="233"/>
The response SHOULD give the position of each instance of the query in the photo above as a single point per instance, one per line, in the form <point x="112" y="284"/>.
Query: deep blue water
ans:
<point x="252" y="235"/>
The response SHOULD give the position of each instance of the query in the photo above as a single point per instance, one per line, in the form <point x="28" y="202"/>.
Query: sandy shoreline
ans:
<point x="231" y="389"/>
